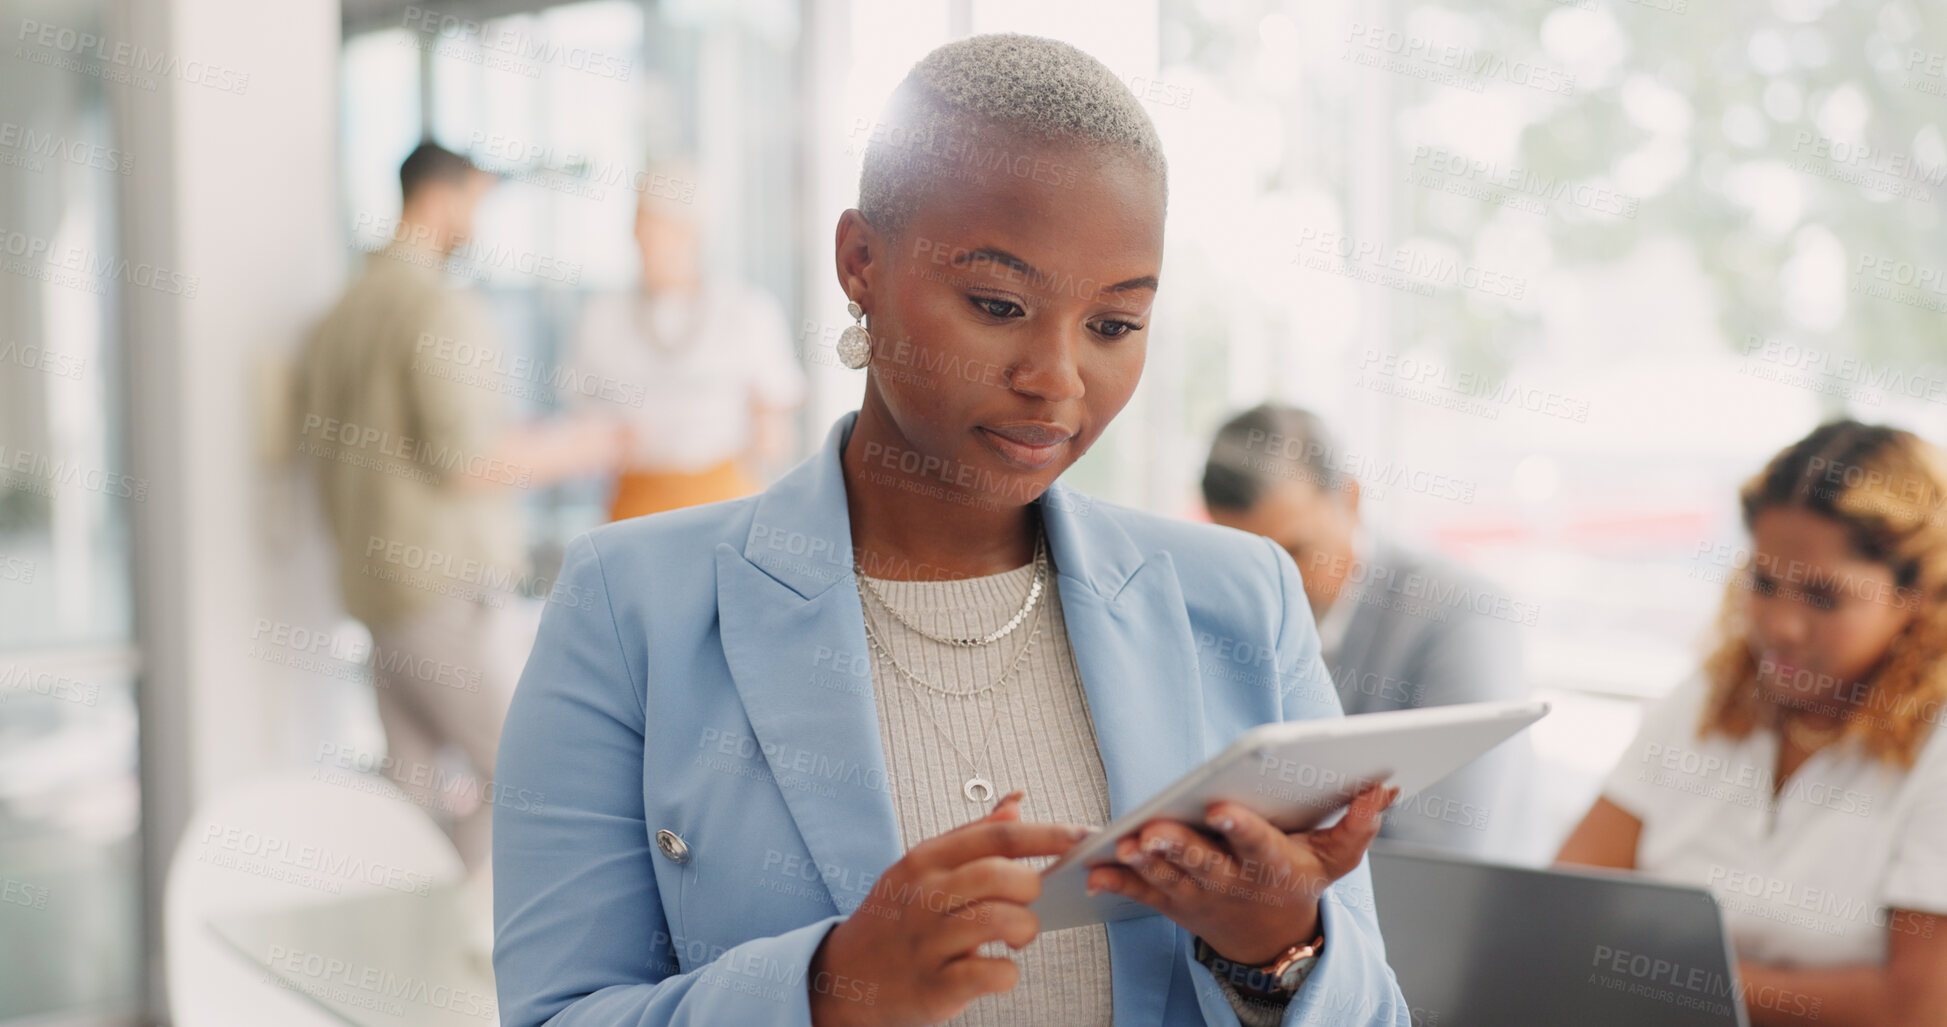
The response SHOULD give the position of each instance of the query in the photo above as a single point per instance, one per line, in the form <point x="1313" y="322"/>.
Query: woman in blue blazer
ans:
<point x="714" y="838"/>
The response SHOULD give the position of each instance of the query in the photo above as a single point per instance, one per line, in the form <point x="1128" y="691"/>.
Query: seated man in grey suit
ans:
<point x="1399" y="628"/>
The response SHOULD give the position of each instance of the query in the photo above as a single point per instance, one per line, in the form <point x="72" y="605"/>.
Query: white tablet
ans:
<point x="1295" y="774"/>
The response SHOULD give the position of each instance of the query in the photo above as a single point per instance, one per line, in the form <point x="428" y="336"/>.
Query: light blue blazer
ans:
<point x="703" y="672"/>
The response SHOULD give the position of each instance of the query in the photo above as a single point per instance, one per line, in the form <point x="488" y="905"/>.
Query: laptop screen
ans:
<point x="1480" y="945"/>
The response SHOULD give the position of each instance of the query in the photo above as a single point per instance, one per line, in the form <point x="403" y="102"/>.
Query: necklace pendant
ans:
<point x="978" y="789"/>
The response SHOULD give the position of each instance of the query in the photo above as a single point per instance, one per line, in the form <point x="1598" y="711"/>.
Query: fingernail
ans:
<point x="1093" y="891"/>
<point x="1224" y="824"/>
<point x="1080" y="831"/>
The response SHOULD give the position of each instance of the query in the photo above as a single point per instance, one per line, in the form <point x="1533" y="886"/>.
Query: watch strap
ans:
<point x="1274" y="979"/>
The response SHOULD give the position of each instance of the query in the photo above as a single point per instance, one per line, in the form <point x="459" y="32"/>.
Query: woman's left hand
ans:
<point x="1252" y="891"/>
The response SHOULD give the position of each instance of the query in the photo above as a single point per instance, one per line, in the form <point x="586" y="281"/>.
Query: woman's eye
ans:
<point x="1763" y="586"/>
<point x="994" y="306"/>
<point x="1115" y="329"/>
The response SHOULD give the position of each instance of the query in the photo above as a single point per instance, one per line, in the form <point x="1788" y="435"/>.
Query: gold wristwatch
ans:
<point x="1279" y="978"/>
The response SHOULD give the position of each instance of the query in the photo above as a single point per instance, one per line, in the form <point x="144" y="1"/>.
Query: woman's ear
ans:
<point x="858" y="253"/>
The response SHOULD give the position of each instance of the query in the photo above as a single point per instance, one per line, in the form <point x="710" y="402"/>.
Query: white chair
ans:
<point x="220" y="868"/>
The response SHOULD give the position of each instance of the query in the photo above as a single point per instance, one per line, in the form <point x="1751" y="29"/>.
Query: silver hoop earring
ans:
<point x="854" y="345"/>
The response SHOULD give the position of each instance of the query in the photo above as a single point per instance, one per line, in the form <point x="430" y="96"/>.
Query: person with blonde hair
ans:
<point x="699" y="367"/>
<point x="1801" y="777"/>
<point x="806" y="753"/>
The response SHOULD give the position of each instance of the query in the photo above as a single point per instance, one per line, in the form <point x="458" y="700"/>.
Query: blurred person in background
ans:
<point x="701" y="367"/>
<point x="1400" y="628"/>
<point x="421" y="471"/>
<point x="1801" y="776"/>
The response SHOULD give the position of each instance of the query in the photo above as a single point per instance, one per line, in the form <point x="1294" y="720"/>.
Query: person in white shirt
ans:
<point x="701" y="369"/>
<point x="1799" y="776"/>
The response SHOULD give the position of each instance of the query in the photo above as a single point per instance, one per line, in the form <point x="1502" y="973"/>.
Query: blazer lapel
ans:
<point x="1130" y="632"/>
<point x="786" y="604"/>
<point x="789" y="613"/>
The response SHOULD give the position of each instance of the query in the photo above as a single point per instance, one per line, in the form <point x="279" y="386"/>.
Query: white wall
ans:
<point x="242" y="193"/>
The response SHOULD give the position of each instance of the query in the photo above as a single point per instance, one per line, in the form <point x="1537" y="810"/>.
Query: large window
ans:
<point x="1560" y="274"/>
<point x="577" y="106"/>
<point x="70" y="859"/>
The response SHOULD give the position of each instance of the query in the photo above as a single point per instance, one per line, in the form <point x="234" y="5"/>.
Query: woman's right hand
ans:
<point x="908" y="954"/>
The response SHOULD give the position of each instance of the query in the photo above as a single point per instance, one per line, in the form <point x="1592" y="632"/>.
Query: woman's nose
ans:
<point x="1777" y="623"/>
<point x="1050" y="370"/>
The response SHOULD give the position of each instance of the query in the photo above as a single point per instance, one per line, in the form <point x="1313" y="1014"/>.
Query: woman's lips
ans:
<point x="1029" y="446"/>
<point x="1782" y="671"/>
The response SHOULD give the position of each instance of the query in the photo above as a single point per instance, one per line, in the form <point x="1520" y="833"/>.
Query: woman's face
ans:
<point x="1821" y="618"/>
<point x="1010" y="317"/>
<point x="668" y="243"/>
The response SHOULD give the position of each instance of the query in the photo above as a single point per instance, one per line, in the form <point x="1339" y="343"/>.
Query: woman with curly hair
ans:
<point x="1801" y="778"/>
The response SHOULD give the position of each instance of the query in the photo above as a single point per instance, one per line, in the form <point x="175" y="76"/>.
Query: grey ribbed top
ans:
<point x="1039" y="738"/>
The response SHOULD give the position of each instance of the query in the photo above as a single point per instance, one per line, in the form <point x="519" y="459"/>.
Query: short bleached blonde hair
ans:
<point x="958" y="110"/>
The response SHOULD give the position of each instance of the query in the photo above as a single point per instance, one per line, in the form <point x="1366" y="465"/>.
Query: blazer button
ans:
<point x="673" y="846"/>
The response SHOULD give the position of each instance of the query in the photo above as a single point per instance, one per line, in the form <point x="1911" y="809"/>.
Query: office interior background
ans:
<point x="1560" y="274"/>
